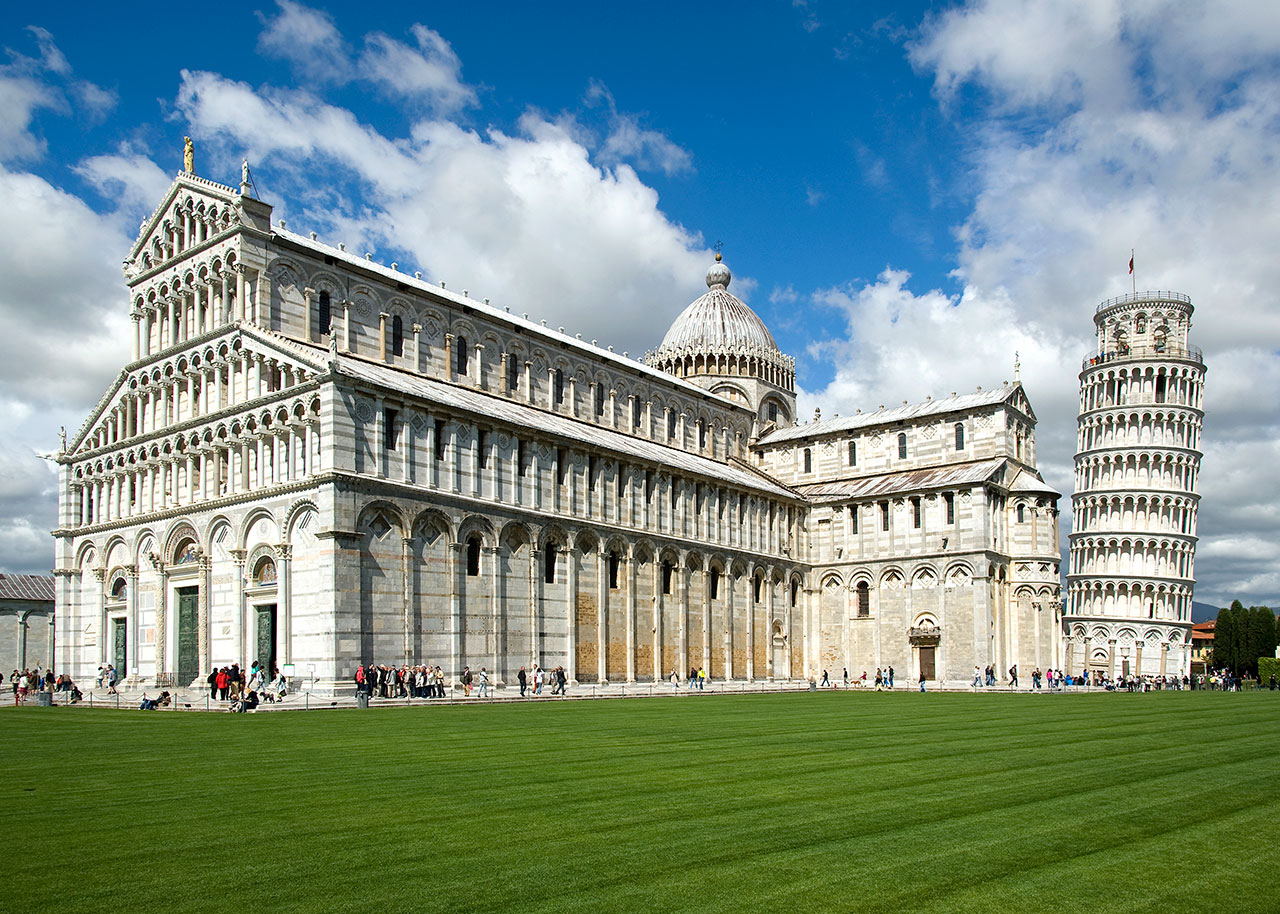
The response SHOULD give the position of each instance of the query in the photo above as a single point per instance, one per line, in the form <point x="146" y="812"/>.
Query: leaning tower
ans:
<point x="1133" y="531"/>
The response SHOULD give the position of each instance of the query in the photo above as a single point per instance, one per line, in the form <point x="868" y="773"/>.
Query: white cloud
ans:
<point x="132" y="180"/>
<point x="526" y="219"/>
<point x="627" y="141"/>
<point x="430" y="73"/>
<point x="309" y="40"/>
<point x="1097" y="127"/>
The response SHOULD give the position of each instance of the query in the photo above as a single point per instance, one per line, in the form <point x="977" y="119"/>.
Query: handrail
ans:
<point x="1144" y="296"/>
<point x="1136" y="353"/>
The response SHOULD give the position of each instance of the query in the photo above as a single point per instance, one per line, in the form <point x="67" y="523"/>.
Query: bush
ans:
<point x="1268" y="667"/>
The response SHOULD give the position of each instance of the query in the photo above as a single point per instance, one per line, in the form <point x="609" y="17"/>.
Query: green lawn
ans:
<point x="799" y="802"/>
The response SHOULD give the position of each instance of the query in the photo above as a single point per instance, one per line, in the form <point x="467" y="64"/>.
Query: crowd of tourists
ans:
<point x="244" y="690"/>
<point x="427" y="681"/>
<point x="24" y="682"/>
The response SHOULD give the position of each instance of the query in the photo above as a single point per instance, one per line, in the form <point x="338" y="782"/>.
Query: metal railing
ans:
<point x="1144" y="297"/>
<point x="1137" y="353"/>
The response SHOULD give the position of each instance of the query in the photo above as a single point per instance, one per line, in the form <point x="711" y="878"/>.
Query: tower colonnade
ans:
<point x="1133" y="534"/>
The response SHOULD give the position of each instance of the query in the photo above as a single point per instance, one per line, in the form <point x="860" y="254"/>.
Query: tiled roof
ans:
<point x="1029" y="481"/>
<point x="911" y="480"/>
<point x="520" y="415"/>
<point x="26" y="587"/>
<point x="959" y="403"/>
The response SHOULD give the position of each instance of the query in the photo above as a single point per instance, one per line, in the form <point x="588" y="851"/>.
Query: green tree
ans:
<point x="1226" y="638"/>
<point x="1261" y="636"/>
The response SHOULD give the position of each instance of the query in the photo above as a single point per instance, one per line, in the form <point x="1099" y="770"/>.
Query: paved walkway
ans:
<point x="199" y="700"/>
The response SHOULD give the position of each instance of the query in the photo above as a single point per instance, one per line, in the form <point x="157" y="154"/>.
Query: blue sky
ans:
<point x="908" y="194"/>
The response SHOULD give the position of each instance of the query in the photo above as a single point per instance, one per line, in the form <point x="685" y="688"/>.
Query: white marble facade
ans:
<point x="1133" y="532"/>
<point x="316" y="460"/>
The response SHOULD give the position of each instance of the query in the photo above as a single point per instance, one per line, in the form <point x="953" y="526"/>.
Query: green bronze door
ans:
<point x="119" y="653"/>
<point x="188" y="643"/>
<point x="266" y="655"/>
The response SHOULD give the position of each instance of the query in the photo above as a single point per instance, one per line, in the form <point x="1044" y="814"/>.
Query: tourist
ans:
<point x="890" y="677"/>
<point x="846" y="677"/>
<point x="111" y="680"/>
<point x="702" y="679"/>
<point x="1013" y="676"/>
<point x="977" y="677"/>
<point x="212" y="679"/>
<point x="20" y="694"/>
<point x="562" y="681"/>
<point x="524" y="681"/>
<point x="466" y="681"/>
<point x="879" y="680"/>
<point x="484" y="684"/>
<point x="675" y="680"/>
<point x="825" y="680"/>
<point x="922" y="682"/>
<point x="539" y="677"/>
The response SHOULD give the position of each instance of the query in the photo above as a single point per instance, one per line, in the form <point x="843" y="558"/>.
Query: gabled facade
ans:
<point x="316" y="461"/>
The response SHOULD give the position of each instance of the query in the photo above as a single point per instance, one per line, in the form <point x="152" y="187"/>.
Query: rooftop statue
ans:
<point x="188" y="156"/>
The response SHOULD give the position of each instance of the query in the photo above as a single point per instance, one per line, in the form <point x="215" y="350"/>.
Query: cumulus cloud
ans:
<point x="487" y="211"/>
<point x="1096" y="127"/>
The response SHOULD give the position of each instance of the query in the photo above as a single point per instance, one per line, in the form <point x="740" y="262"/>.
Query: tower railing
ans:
<point x="1143" y="296"/>
<point x="1139" y="353"/>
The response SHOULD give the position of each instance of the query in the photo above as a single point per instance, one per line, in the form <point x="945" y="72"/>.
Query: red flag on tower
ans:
<point x="1131" y="263"/>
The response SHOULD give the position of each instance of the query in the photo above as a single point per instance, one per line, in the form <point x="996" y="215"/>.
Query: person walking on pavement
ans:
<point x="524" y="681"/>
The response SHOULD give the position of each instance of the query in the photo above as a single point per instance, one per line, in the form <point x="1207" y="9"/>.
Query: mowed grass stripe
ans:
<point x="833" y="801"/>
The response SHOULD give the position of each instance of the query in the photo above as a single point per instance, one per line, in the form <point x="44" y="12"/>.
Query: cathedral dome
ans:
<point x="718" y="321"/>
<point x="718" y="338"/>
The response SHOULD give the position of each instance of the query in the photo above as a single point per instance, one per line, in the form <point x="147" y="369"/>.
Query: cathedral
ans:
<point x="314" y="460"/>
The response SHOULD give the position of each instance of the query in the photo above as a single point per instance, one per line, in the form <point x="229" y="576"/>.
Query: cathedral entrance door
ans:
<point x="188" y="641"/>
<point x="119" y="653"/>
<point x="266" y="652"/>
<point x="926" y="663"/>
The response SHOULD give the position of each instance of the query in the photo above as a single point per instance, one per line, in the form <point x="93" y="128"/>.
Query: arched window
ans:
<point x="558" y="386"/>
<point x="264" y="572"/>
<point x="635" y="412"/>
<point x="864" y="599"/>
<point x="773" y="412"/>
<point x="902" y="445"/>
<point x="185" y="553"/>
<point x="549" y="564"/>
<point x="325" y="318"/>
<point x="702" y="434"/>
<point x="671" y="424"/>
<point x="397" y="336"/>
<point x="1021" y="513"/>
<point x="715" y="583"/>
<point x="959" y="436"/>
<point x="473" y="556"/>
<point x="460" y="355"/>
<point x="599" y="400"/>
<point x="613" y="570"/>
<point x="119" y="590"/>
<point x="756" y="584"/>
<point x="808" y="460"/>
<point x="853" y="453"/>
